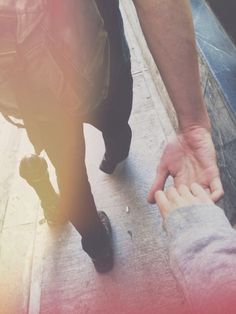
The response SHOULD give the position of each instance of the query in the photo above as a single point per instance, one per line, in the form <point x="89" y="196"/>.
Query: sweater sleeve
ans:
<point x="202" y="250"/>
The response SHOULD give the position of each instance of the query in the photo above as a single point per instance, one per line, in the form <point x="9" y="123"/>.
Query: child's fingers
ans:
<point x="172" y="194"/>
<point x="162" y="202"/>
<point x="199" y="192"/>
<point x="184" y="191"/>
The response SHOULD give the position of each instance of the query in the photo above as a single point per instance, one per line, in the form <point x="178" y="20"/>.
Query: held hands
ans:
<point x="182" y="196"/>
<point x="189" y="157"/>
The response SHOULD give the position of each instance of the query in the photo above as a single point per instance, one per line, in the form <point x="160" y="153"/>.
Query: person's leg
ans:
<point x="64" y="145"/>
<point x="115" y="129"/>
<point x="110" y="12"/>
<point x="61" y="135"/>
<point x="113" y="115"/>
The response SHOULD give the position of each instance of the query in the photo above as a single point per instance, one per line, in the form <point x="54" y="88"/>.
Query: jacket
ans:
<point x="54" y="58"/>
<point x="202" y="251"/>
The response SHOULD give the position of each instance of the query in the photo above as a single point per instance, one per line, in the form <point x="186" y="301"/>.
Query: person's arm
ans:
<point x="202" y="248"/>
<point x="202" y="251"/>
<point x="168" y="29"/>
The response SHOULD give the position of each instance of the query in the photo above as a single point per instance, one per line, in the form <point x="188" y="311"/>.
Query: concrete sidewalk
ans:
<point x="44" y="270"/>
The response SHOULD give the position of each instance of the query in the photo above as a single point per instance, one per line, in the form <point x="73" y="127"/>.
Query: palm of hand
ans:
<point x="188" y="158"/>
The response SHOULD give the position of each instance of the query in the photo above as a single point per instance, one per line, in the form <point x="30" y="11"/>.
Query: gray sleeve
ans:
<point x="202" y="251"/>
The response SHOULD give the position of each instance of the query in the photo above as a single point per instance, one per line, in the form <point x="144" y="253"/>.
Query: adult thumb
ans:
<point x="159" y="183"/>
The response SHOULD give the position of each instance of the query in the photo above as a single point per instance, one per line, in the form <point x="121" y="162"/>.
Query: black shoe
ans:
<point x="104" y="259"/>
<point x="108" y="165"/>
<point x="117" y="148"/>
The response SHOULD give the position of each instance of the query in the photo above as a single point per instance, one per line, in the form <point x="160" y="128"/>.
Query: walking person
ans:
<point x="64" y="63"/>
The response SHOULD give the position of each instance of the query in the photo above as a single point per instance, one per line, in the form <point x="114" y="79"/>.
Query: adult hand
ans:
<point x="189" y="157"/>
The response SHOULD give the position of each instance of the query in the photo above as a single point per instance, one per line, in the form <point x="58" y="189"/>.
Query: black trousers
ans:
<point x="64" y="141"/>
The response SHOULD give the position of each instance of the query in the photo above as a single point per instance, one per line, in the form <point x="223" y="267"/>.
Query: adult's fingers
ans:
<point x="217" y="190"/>
<point x="159" y="183"/>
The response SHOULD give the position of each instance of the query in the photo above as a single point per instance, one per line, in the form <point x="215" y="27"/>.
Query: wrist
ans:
<point x="193" y="117"/>
<point x="195" y="137"/>
<point x="190" y="125"/>
<point x="193" y="130"/>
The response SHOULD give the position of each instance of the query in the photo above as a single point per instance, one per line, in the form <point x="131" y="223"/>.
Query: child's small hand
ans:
<point x="182" y="196"/>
